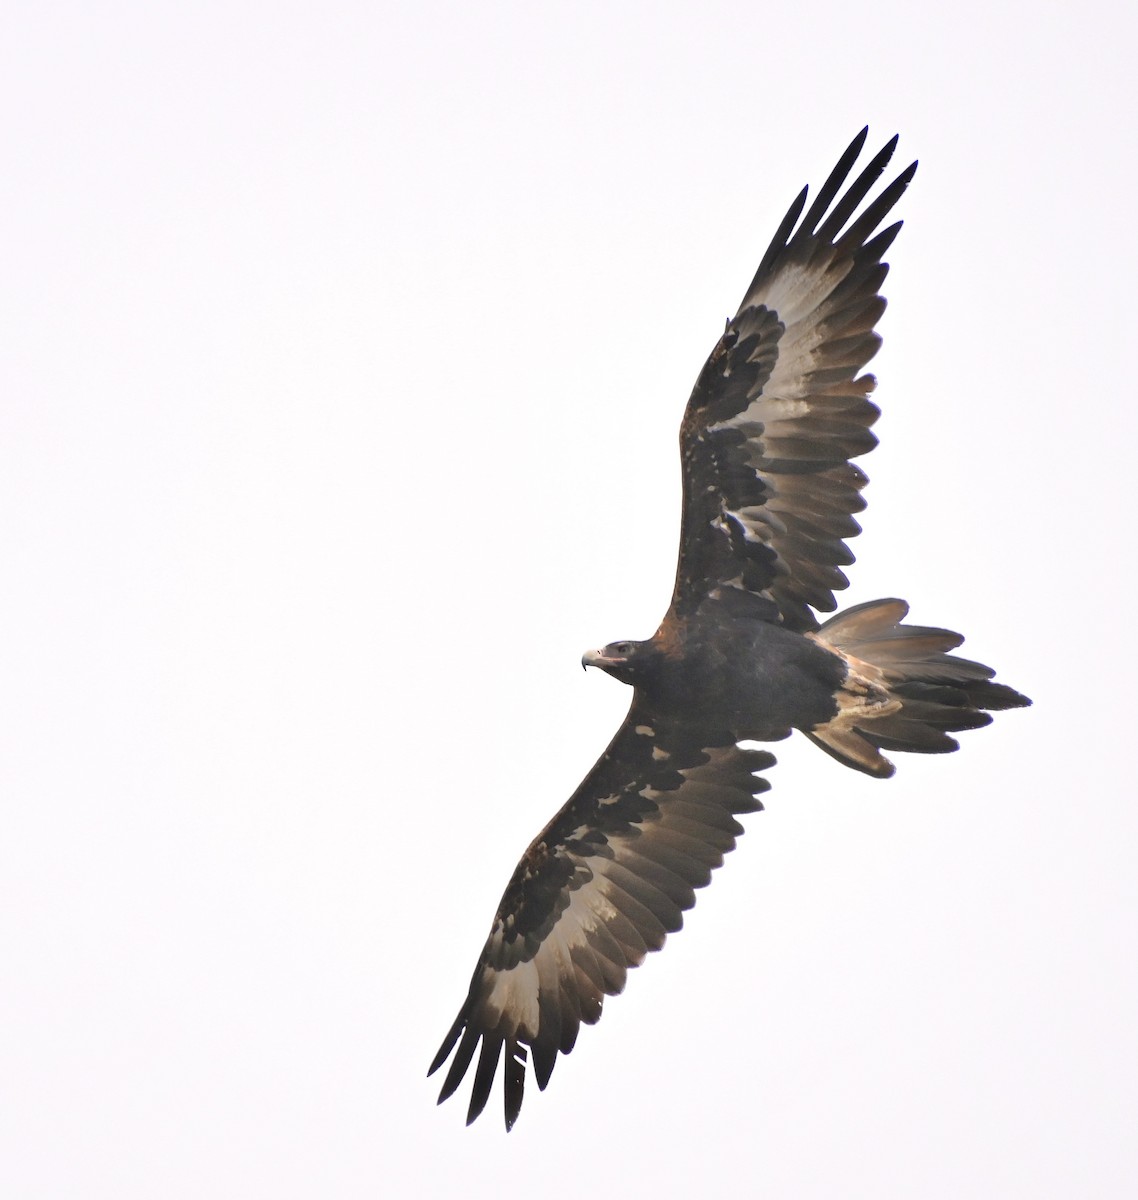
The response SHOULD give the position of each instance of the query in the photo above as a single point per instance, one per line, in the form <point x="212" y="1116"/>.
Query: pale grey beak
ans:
<point x="598" y="658"/>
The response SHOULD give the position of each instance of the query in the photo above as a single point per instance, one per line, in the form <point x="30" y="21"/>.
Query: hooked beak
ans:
<point x="597" y="658"/>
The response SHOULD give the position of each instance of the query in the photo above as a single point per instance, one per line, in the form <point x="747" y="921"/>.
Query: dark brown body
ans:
<point x="756" y="680"/>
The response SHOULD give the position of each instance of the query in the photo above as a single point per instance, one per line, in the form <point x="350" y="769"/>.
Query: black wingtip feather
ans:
<point x="514" y="1081"/>
<point x="447" y="1046"/>
<point x="857" y="192"/>
<point x="875" y="213"/>
<point x="484" y="1075"/>
<point x="834" y="181"/>
<point x="778" y="242"/>
<point x="461" y="1062"/>
<point x="830" y="230"/>
<point x="544" y="1060"/>
<point x="877" y="247"/>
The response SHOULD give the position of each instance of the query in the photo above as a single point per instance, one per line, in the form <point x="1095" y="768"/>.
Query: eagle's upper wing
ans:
<point x="598" y="888"/>
<point x="779" y="409"/>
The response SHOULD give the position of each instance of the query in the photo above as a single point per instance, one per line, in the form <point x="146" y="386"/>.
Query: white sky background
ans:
<point x="343" y="349"/>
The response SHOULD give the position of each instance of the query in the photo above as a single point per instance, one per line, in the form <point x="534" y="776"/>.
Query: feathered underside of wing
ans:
<point x="605" y="882"/>
<point x="781" y="407"/>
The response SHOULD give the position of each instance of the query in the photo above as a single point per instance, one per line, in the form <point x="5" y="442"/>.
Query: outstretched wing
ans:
<point x="599" y="887"/>
<point x="780" y="408"/>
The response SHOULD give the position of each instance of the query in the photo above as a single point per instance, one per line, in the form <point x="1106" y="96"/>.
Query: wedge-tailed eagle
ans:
<point x="769" y="491"/>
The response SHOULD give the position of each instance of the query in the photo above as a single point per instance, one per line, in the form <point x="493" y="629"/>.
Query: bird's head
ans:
<point x="629" y="662"/>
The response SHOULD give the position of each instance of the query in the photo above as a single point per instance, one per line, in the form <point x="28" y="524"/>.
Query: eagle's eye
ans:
<point x="623" y="649"/>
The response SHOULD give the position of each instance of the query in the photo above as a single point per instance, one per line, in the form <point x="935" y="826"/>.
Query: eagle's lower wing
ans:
<point x="780" y="409"/>
<point x="599" y="887"/>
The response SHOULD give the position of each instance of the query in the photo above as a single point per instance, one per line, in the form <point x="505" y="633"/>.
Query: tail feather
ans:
<point x="903" y="690"/>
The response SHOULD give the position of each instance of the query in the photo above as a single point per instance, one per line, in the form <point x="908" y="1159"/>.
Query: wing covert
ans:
<point x="781" y="407"/>
<point x="604" y="883"/>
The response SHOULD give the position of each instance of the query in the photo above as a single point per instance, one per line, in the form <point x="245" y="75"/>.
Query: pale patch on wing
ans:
<point x="799" y="291"/>
<point x="513" y="992"/>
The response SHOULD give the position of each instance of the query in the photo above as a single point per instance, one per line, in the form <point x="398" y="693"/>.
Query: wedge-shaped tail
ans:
<point x="903" y="690"/>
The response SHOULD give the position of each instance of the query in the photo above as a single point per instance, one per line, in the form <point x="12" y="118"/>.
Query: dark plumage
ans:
<point x="777" y="413"/>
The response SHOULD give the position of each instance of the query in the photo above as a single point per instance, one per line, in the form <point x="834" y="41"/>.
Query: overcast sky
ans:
<point x="343" y="349"/>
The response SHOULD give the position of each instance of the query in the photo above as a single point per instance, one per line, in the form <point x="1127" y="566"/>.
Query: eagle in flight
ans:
<point x="769" y="491"/>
